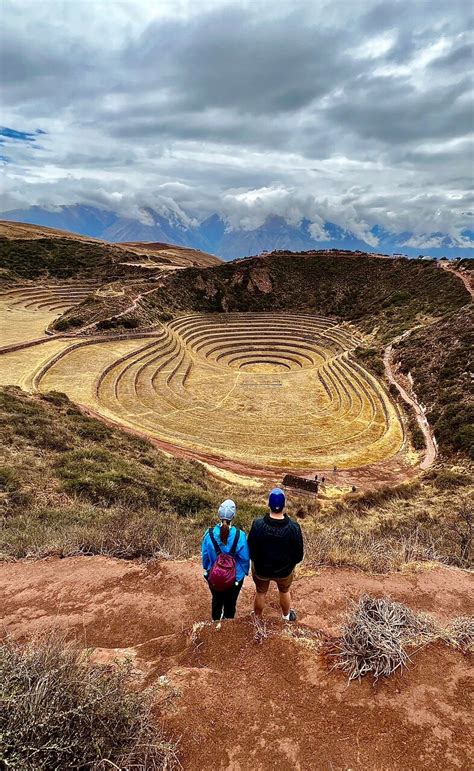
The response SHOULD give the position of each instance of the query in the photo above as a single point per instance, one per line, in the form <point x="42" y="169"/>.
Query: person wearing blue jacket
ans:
<point x="224" y="603"/>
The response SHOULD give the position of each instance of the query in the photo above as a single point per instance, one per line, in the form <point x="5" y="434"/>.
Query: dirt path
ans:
<point x="239" y="704"/>
<point x="465" y="277"/>
<point x="408" y="396"/>
<point x="129" y="309"/>
<point x="411" y="400"/>
<point x="30" y="343"/>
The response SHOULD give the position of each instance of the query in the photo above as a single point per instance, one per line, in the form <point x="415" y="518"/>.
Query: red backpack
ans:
<point x="223" y="572"/>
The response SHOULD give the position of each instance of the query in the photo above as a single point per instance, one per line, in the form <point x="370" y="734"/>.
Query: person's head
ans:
<point x="276" y="500"/>
<point x="227" y="511"/>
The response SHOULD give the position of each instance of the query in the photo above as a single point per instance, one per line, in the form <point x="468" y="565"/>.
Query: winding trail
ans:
<point x="465" y="277"/>
<point x="129" y="309"/>
<point x="430" y="442"/>
<point x="410" y="398"/>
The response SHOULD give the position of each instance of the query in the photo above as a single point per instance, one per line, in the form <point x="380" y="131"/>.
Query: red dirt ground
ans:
<point x="239" y="704"/>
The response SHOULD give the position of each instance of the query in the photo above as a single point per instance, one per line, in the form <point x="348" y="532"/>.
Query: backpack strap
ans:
<point x="216" y="546"/>
<point x="233" y="548"/>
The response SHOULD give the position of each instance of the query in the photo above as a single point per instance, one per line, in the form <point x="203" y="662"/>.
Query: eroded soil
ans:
<point x="237" y="703"/>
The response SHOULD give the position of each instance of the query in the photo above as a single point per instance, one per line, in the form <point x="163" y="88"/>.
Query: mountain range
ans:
<point x="215" y="236"/>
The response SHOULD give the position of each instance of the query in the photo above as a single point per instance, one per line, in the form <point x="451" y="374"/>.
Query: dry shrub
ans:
<point x="58" y="710"/>
<point x="371" y="551"/>
<point x="460" y="633"/>
<point x="375" y="635"/>
<point x="261" y="631"/>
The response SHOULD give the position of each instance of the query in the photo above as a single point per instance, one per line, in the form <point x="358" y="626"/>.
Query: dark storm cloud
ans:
<point x="393" y="111"/>
<point x="298" y="100"/>
<point x="229" y="59"/>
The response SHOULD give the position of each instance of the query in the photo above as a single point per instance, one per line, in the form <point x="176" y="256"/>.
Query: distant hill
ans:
<point x="177" y="255"/>
<point x="389" y="296"/>
<point x="30" y="251"/>
<point x="172" y="225"/>
<point x="26" y="230"/>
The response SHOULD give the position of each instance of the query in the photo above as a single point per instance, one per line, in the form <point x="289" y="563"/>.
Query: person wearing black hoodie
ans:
<point x="276" y="546"/>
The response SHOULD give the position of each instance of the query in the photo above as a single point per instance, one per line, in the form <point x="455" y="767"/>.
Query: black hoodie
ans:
<point x="276" y="546"/>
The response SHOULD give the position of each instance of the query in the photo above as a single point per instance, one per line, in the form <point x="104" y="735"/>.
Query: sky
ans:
<point x="358" y="113"/>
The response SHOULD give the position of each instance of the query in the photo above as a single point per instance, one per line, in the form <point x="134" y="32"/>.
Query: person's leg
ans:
<point x="230" y="600"/>
<point x="259" y="603"/>
<point x="284" y="594"/>
<point x="285" y="602"/>
<point x="217" y="605"/>
<point x="261" y="589"/>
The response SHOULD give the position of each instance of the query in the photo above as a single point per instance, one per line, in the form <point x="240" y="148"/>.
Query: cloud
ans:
<point x="350" y="113"/>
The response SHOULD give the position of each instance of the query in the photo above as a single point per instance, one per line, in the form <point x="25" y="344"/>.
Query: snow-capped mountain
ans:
<point x="172" y="225"/>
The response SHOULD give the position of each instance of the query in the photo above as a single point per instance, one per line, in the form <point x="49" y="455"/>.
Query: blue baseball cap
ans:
<point x="227" y="510"/>
<point x="276" y="500"/>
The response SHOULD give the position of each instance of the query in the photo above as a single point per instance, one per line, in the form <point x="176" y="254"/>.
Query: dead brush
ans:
<point x="460" y="634"/>
<point x="375" y="636"/>
<point x="261" y="632"/>
<point x="60" y="710"/>
<point x="195" y="633"/>
<point x="306" y="638"/>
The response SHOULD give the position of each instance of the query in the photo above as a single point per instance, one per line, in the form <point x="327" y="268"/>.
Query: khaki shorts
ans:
<point x="262" y="584"/>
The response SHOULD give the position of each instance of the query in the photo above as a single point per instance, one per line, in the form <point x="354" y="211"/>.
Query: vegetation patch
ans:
<point x="375" y="638"/>
<point x="460" y="633"/>
<point x="60" y="258"/>
<point x="59" y="710"/>
<point x="115" y="494"/>
<point x="438" y="359"/>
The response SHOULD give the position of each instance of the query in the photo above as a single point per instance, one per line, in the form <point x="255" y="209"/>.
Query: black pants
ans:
<point x="225" y="601"/>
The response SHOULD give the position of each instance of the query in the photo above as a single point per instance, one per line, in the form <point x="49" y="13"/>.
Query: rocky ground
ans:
<point x="239" y="700"/>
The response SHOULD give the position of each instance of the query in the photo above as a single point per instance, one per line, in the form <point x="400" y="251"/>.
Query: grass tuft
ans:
<point x="460" y="633"/>
<point x="58" y="710"/>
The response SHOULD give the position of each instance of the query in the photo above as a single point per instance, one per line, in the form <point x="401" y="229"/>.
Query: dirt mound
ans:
<point x="238" y="702"/>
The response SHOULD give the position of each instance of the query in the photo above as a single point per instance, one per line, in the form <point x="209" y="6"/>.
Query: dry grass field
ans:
<point x="27" y="310"/>
<point x="262" y="390"/>
<point x="20" y="367"/>
<point x="179" y="256"/>
<point x="25" y="230"/>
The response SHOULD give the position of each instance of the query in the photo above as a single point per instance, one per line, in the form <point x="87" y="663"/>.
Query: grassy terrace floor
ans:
<point x="264" y="390"/>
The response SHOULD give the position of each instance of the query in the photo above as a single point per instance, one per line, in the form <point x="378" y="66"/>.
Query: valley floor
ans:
<point x="237" y="703"/>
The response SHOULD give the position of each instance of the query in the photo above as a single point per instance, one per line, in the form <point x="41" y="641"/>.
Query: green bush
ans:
<point x="69" y="322"/>
<point x="464" y="440"/>
<point x="187" y="500"/>
<point x="103" y="477"/>
<point x="9" y="479"/>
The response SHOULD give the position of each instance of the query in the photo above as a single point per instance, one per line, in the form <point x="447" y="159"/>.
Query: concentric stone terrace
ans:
<point x="257" y="389"/>
<point x="51" y="297"/>
<point x="27" y="310"/>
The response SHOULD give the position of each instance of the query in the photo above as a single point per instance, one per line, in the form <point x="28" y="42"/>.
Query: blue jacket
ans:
<point x="242" y="558"/>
